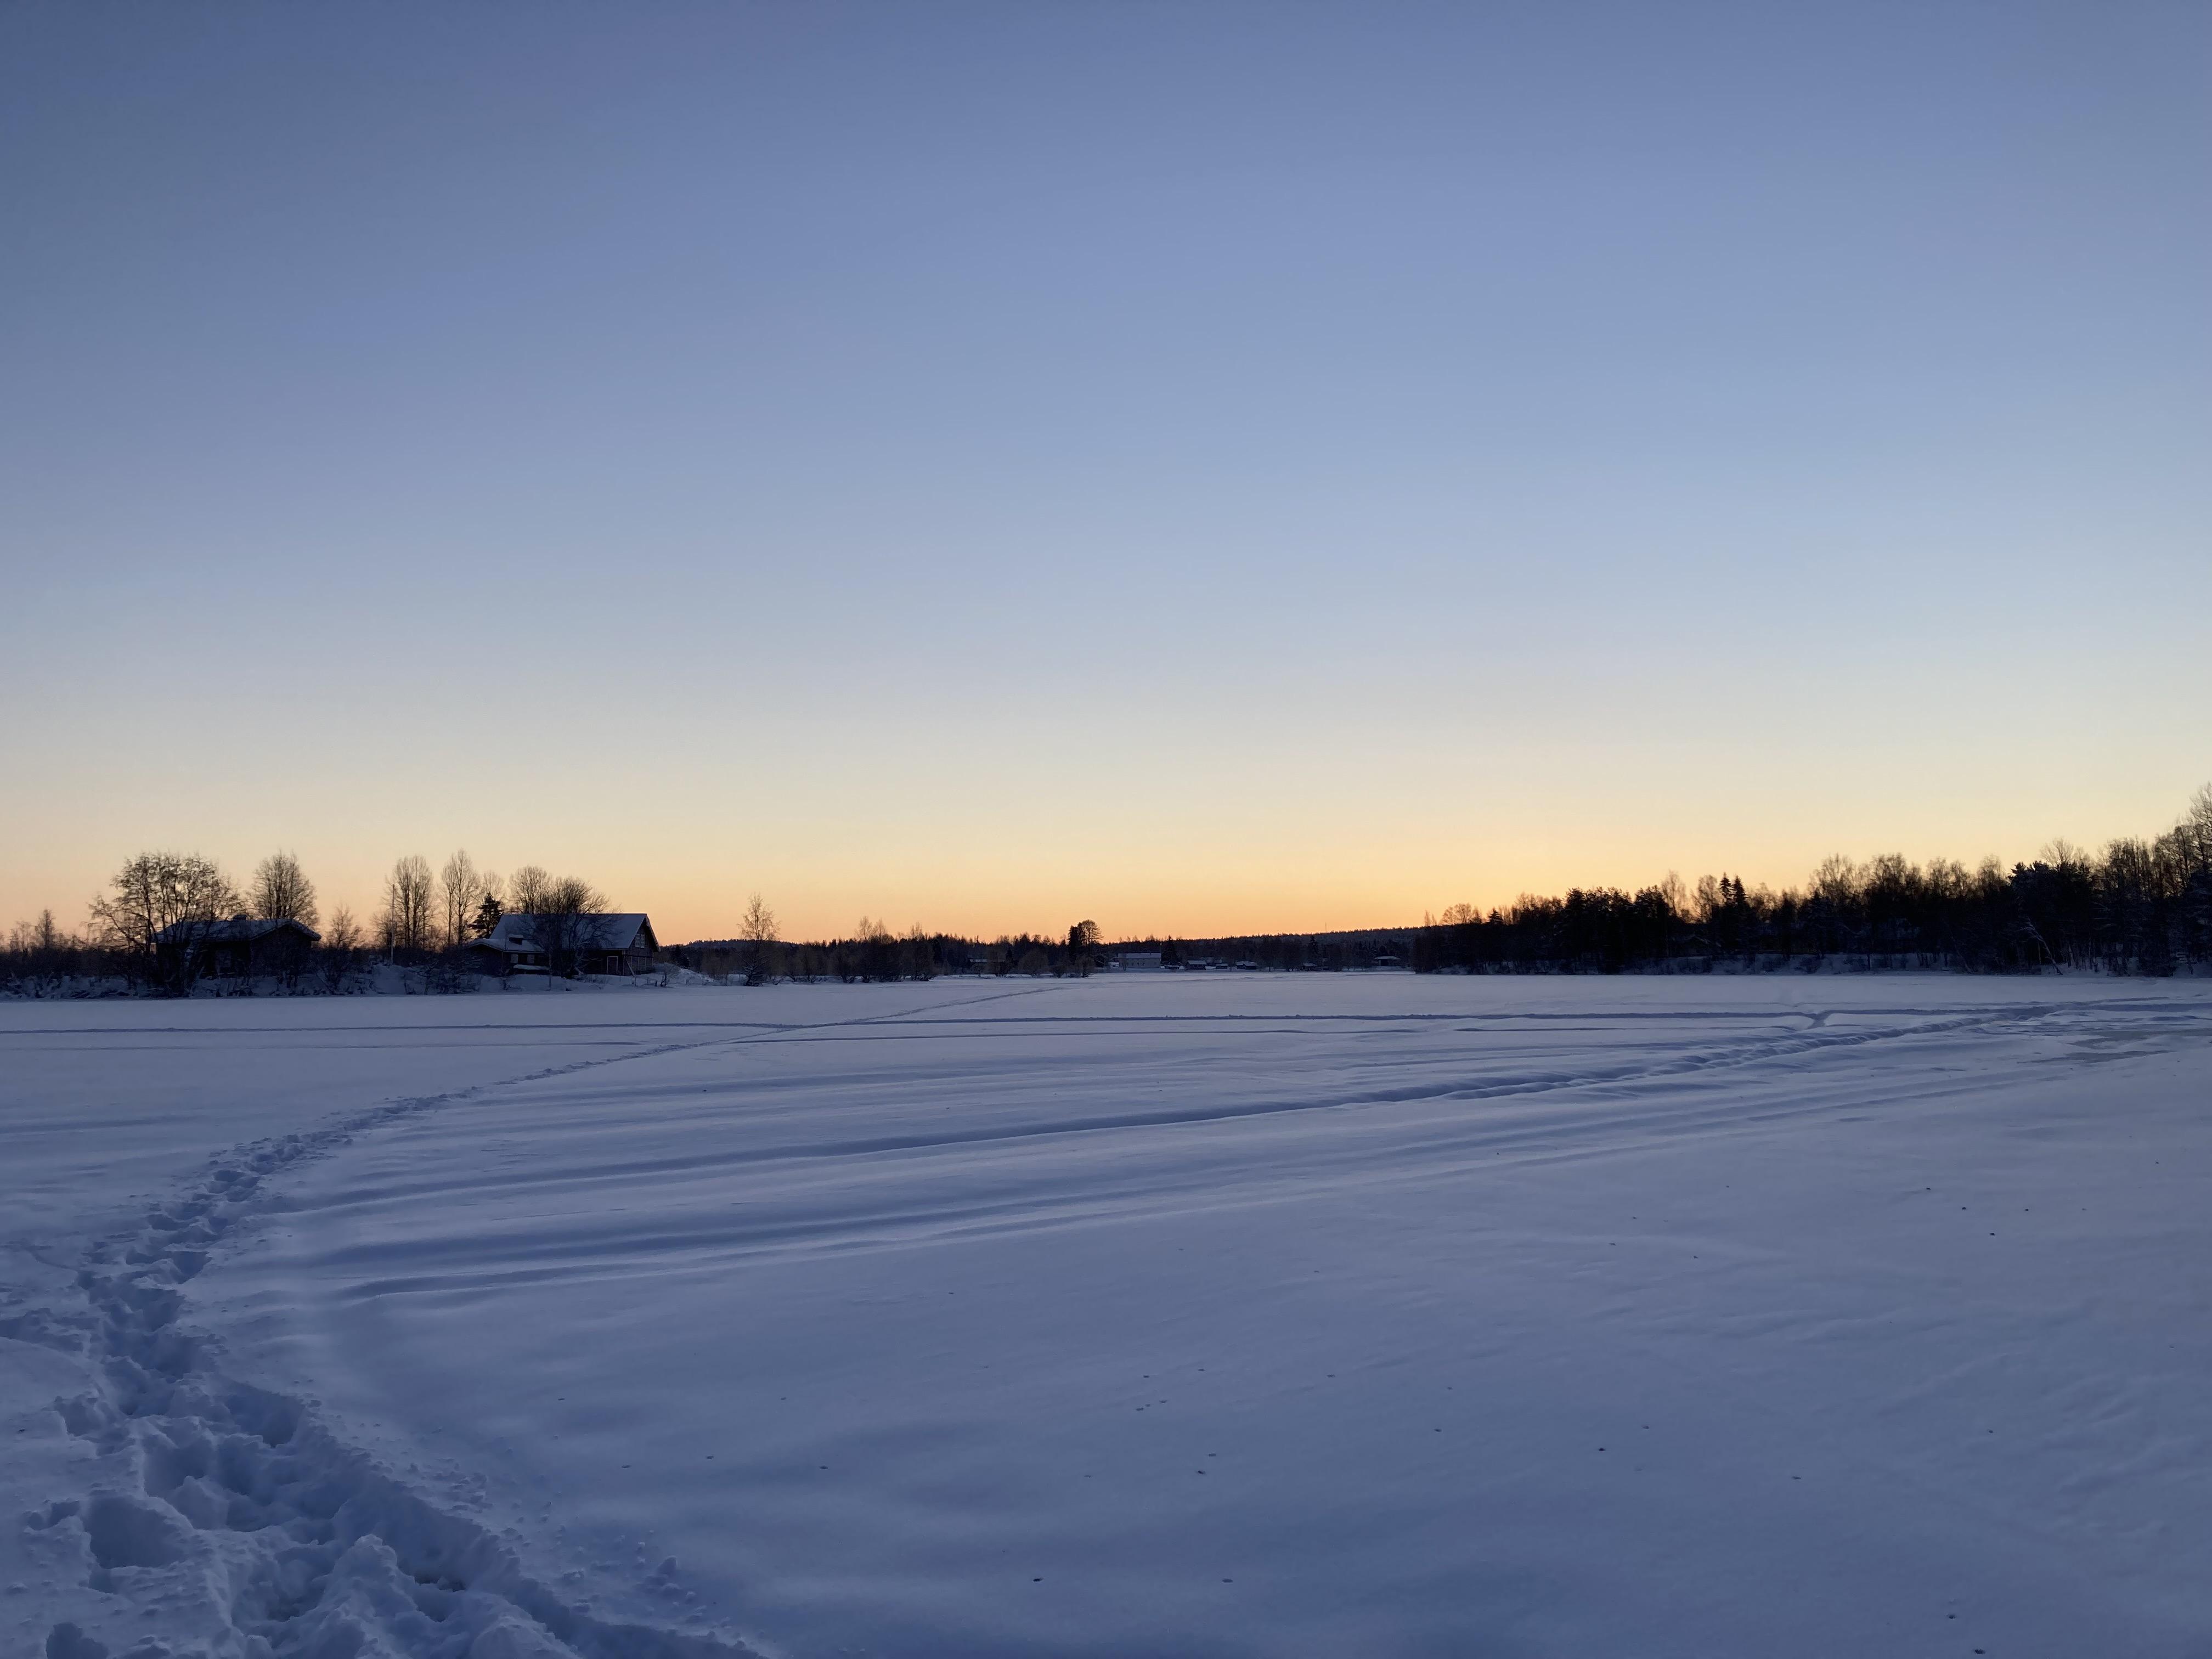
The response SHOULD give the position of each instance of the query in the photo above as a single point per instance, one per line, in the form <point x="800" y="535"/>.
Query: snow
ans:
<point x="1305" y="1315"/>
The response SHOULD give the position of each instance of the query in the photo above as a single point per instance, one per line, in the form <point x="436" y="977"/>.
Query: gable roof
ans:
<point x="615" y="931"/>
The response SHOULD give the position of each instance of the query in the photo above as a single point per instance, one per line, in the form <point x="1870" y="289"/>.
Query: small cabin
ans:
<point x="526" y="944"/>
<point x="241" y="948"/>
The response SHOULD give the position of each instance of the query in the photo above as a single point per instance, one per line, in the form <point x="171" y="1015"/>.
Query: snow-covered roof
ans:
<point x="238" y="930"/>
<point x="518" y="931"/>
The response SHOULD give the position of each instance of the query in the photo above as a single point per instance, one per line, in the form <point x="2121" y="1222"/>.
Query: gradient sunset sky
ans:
<point x="1200" y="467"/>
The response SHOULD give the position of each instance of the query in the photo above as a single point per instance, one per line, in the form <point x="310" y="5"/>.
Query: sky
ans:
<point x="1203" y="468"/>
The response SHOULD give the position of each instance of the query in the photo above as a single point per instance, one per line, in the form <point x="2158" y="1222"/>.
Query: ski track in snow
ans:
<point x="1589" y="1132"/>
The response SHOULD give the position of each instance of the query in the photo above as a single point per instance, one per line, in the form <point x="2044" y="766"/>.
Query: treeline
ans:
<point x="2143" y="906"/>
<point x="1294" y="953"/>
<point x="874" y="954"/>
<point x="160" y="924"/>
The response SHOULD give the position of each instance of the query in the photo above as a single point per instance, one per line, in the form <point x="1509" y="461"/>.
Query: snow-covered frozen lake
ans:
<point x="1309" y="1315"/>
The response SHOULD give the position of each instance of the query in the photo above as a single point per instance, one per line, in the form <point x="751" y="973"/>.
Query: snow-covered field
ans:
<point x="1143" y="1316"/>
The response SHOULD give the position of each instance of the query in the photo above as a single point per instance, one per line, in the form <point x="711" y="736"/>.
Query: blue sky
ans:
<point x="1203" y="467"/>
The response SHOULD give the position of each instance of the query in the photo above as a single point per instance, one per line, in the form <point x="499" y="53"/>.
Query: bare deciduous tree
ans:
<point x="526" y="889"/>
<point x="341" y="950"/>
<point x="2198" y="822"/>
<point x="461" y="887"/>
<point x="409" y="921"/>
<point x="153" y="893"/>
<point x="282" y="892"/>
<point x="763" y="951"/>
<point x="759" y="923"/>
<point x="575" y="896"/>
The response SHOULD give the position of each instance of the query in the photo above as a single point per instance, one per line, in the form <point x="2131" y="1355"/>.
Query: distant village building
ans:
<point x="1140" y="962"/>
<point x="611" y="943"/>
<point x="242" y="947"/>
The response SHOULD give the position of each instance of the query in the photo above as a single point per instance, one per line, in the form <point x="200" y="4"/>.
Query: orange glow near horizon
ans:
<point x="1134" y="874"/>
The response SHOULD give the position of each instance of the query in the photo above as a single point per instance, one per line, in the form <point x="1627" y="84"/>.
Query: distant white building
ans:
<point x="1138" y="962"/>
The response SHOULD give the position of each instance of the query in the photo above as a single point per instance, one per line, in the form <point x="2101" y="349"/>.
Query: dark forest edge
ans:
<point x="2143" y="906"/>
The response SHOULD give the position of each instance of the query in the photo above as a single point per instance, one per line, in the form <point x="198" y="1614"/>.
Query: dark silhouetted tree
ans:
<point x="282" y="892"/>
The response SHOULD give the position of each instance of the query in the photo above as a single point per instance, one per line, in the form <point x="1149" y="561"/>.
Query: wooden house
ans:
<point x="241" y="947"/>
<point x="526" y="944"/>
